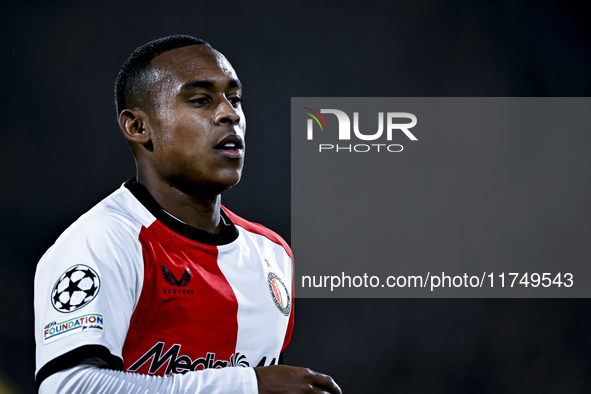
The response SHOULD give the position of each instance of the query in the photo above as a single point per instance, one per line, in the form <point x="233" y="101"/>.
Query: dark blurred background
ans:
<point x="62" y="152"/>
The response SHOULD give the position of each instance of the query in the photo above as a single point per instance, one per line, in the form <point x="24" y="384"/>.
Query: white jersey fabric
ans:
<point x="133" y="286"/>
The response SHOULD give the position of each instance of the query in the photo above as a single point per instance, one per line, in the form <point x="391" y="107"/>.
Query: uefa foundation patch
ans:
<point x="279" y="293"/>
<point x="54" y="330"/>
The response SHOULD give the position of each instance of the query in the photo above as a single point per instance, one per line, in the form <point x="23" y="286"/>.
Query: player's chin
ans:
<point x="229" y="178"/>
<point x="208" y="183"/>
<point x="222" y="181"/>
<point x="228" y="172"/>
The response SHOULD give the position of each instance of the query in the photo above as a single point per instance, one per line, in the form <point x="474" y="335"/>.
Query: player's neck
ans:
<point x="192" y="209"/>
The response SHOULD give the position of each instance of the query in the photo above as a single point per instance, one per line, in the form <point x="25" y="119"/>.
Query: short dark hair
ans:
<point x="135" y="72"/>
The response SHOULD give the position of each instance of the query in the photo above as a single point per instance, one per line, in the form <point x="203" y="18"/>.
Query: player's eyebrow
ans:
<point x="207" y="84"/>
<point x="235" y="83"/>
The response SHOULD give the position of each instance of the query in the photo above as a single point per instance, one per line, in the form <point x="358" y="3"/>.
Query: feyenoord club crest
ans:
<point x="75" y="288"/>
<point x="279" y="293"/>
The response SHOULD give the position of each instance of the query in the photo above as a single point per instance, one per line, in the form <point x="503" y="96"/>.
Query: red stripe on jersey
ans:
<point x="258" y="229"/>
<point x="271" y="235"/>
<point x="199" y="313"/>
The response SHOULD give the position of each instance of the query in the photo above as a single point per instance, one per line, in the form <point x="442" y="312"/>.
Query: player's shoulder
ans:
<point x="119" y="214"/>
<point x="109" y="228"/>
<point x="258" y="229"/>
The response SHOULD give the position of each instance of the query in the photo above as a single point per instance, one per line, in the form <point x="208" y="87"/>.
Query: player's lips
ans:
<point x="232" y="146"/>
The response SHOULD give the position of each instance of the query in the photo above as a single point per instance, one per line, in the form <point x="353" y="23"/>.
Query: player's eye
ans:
<point x="235" y="100"/>
<point x="201" y="100"/>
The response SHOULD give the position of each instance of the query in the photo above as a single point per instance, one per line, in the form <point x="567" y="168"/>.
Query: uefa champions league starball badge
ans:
<point x="75" y="288"/>
<point x="279" y="293"/>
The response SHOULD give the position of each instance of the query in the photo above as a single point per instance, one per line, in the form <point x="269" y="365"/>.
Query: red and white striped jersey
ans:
<point x="149" y="294"/>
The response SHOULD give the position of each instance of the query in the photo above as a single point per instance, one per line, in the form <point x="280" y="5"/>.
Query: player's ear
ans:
<point x="134" y="126"/>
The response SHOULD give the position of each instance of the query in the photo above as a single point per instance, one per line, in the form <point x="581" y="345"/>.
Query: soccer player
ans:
<point x="158" y="288"/>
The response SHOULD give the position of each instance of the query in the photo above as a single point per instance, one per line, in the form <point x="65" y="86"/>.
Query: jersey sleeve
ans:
<point x="289" y="330"/>
<point x="92" y="380"/>
<point x="86" y="288"/>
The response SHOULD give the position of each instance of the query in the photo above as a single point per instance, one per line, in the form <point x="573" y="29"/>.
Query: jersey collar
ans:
<point x="228" y="232"/>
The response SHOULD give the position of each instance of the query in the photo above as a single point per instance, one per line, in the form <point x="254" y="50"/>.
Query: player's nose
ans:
<point x="226" y="114"/>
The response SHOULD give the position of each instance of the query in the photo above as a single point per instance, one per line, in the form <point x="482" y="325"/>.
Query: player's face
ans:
<point x="197" y="121"/>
